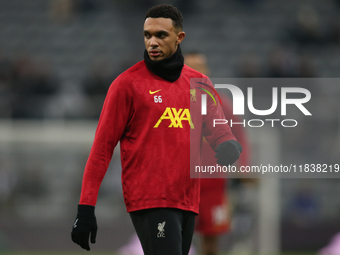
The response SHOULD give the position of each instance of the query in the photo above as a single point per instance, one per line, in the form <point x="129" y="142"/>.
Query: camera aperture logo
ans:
<point x="239" y="106"/>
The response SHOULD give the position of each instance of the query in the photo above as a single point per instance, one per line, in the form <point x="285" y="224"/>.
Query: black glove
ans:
<point x="228" y="152"/>
<point x="84" y="225"/>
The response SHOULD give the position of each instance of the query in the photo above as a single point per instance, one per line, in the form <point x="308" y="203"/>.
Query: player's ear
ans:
<point x="180" y="37"/>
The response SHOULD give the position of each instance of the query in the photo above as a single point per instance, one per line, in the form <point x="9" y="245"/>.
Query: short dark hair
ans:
<point x="166" y="11"/>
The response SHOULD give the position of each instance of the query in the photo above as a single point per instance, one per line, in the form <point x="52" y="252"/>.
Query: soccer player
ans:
<point x="147" y="108"/>
<point x="215" y="213"/>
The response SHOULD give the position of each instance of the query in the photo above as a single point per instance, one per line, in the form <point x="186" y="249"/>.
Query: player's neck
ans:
<point x="169" y="68"/>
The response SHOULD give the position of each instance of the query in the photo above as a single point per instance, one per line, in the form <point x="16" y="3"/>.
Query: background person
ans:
<point x="215" y="209"/>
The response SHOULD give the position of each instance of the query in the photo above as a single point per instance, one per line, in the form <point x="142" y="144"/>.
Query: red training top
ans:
<point x="152" y="119"/>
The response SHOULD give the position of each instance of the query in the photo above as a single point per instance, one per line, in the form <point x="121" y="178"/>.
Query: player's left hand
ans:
<point x="228" y="152"/>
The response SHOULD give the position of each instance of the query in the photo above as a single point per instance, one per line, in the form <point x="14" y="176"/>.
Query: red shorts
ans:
<point x="214" y="214"/>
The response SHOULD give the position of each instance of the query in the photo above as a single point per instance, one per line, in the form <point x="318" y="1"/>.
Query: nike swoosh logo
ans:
<point x="153" y="92"/>
<point x="75" y="223"/>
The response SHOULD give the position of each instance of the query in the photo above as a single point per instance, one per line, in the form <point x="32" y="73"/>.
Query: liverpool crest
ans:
<point x="192" y="94"/>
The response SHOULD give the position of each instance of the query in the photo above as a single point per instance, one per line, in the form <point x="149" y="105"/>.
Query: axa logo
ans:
<point x="175" y="117"/>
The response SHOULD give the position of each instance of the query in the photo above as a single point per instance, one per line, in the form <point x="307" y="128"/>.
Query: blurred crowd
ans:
<point x="297" y="44"/>
<point x="26" y="86"/>
<point x="30" y="88"/>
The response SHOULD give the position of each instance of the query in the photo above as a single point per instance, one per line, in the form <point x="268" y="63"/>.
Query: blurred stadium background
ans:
<point x="57" y="59"/>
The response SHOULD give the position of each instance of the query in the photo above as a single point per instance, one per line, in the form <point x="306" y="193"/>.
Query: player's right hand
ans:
<point x="84" y="225"/>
